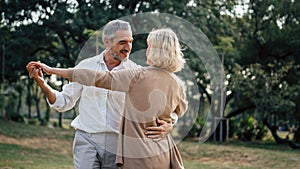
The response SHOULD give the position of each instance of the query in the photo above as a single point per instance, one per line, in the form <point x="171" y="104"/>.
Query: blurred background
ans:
<point x="257" y="41"/>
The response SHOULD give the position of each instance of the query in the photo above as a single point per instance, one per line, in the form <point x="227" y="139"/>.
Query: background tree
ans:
<point x="268" y="62"/>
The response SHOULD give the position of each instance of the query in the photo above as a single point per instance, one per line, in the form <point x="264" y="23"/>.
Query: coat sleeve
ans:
<point x="183" y="103"/>
<point x="119" y="80"/>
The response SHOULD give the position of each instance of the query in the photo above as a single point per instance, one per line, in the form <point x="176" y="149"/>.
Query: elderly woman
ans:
<point x="151" y="92"/>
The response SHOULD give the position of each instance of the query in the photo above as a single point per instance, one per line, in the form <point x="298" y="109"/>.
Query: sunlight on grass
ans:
<point x="21" y="157"/>
<point x="240" y="155"/>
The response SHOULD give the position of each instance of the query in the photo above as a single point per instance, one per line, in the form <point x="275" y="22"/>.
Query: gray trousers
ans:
<point x="95" y="151"/>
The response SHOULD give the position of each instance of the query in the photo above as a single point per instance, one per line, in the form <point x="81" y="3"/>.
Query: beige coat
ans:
<point x="151" y="93"/>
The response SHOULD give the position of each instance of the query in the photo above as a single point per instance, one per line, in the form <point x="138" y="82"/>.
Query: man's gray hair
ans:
<point x="109" y="30"/>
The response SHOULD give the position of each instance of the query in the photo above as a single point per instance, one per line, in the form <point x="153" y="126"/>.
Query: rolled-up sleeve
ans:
<point x="59" y="101"/>
<point x="67" y="98"/>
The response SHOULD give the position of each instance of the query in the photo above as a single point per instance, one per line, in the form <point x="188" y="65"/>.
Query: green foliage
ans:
<point x="264" y="79"/>
<point x="266" y="88"/>
<point x="249" y="129"/>
<point x="196" y="128"/>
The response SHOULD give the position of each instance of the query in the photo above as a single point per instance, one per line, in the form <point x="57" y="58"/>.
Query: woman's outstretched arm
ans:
<point x="117" y="80"/>
<point x="86" y="77"/>
<point x="65" y="73"/>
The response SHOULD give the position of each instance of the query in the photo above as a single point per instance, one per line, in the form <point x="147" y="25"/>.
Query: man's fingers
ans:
<point x="157" y="139"/>
<point x="153" y="136"/>
<point x="160" y="121"/>
<point x="153" y="132"/>
<point x="159" y="132"/>
<point x="31" y="66"/>
<point x="34" y="72"/>
<point x="40" y="72"/>
<point x="155" y="129"/>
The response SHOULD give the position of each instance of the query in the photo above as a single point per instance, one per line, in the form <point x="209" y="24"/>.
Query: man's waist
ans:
<point x="97" y="132"/>
<point x="92" y="126"/>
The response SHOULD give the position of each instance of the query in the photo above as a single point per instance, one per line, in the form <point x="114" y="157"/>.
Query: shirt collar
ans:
<point x="102" y="62"/>
<point x="101" y="58"/>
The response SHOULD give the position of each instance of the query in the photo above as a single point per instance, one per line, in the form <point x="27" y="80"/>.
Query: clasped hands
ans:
<point x="37" y="68"/>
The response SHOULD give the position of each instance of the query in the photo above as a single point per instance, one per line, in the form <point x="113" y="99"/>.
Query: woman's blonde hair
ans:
<point x="164" y="50"/>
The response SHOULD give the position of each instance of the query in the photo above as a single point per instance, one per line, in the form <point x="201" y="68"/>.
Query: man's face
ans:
<point x="121" y="45"/>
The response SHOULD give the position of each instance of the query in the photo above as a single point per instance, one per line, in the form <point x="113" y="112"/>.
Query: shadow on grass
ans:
<point x="268" y="144"/>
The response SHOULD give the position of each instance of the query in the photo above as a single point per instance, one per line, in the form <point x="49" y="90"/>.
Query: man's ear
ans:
<point x="107" y="42"/>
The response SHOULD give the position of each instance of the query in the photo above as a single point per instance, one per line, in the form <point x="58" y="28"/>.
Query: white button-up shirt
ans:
<point x="99" y="109"/>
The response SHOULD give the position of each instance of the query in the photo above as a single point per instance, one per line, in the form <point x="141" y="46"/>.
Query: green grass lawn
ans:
<point x="24" y="146"/>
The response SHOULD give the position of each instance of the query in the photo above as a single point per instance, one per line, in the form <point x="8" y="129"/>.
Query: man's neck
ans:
<point x="110" y="61"/>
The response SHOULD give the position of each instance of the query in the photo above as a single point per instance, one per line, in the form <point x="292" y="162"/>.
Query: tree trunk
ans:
<point x="19" y="102"/>
<point x="60" y="119"/>
<point x="37" y="106"/>
<point x="28" y="98"/>
<point x="47" y="113"/>
<point x="60" y="114"/>
<point x="297" y="135"/>
<point x="37" y="103"/>
<point x="278" y="139"/>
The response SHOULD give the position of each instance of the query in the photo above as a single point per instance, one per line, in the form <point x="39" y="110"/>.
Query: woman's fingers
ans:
<point x="45" y="68"/>
<point x="31" y="66"/>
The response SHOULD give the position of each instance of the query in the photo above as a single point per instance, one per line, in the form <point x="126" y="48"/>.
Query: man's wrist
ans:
<point x="40" y="82"/>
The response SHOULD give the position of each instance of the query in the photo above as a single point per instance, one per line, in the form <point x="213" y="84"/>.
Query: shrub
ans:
<point x="249" y="129"/>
